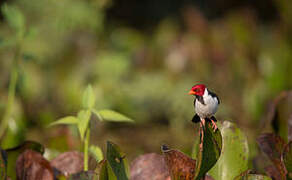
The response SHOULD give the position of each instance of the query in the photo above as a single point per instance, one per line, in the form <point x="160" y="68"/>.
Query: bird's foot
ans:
<point x="214" y="126"/>
<point x="201" y="146"/>
<point x="203" y="121"/>
<point x="202" y="124"/>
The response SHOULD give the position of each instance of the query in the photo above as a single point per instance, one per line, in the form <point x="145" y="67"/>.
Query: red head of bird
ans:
<point x="198" y="89"/>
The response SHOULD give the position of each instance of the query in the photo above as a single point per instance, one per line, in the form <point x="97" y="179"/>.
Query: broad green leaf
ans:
<point x="103" y="174"/>
<point x="234" y="155"/>
<point x="106" y="172"/>
<point x="110" y="173"/>
<point x="66" y="120"/>
<point x="88" y="99"/>
<point x="83" y="121"/>
<point x="109" y="115"/>
<point x="212" y="146"/>
<point x="3" y="164"/>
<point x="287" y="158"/>
<point x="96" y="152"/>
<point x="13" y="153"/>
<point x="14" y="17"/>
<point x="117" y="161"/>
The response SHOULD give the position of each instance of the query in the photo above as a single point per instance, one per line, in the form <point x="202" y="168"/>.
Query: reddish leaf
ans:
<point x="149" y="166"/>
<point x="84" y="175"/>
<point x="277" y="114"/>
<point x="287" y="158"/>
<point x="31" y="165"/>
<point x="290" y="128"/>
<point x="68" y="162"/>
<point x="273" y="172"/>
<point x="273" y="145"/>
<point x="3" y="164"/>
<point x="180" y="166"/>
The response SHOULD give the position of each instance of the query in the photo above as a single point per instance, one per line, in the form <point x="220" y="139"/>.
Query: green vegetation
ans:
<point x="50" y="51"/>
<point x="82" y="121"/>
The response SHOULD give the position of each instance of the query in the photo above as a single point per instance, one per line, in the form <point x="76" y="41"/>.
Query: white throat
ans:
<point x="206" y="93"/>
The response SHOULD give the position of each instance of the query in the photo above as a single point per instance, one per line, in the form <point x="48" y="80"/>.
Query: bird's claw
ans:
<point x="214" y="126"/>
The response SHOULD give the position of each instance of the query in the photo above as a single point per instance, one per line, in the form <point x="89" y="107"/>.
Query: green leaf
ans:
<point x="13" y="153"/>
<point x="14" y="17"/>
<point x="287" y="158"/>
<point x="66" y="120"/>
<point x="234" y="156"/>
<point x="103" y="174"/>
<point x="83" y="121"/>
<point x="212" y="146"/>
<point x="117" y="161"/>
<point x="106" y="172"/>
<point x="88" y="99"/>
<point x="3" y="164"/>
<point x="109" y="115"/>
<point x="96" y="152"/>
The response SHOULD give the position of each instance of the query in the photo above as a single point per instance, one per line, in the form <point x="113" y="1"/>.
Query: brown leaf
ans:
<point x="208" y="178"/>
<point x="149" y="166"/>
<point x="290" y="128"/>
<point x="68" y="162"/>
<point x="31" y="165"/>
<point x="273" y="145"/>
<point x="180" y="166"/>
<point x="273" y="172"/>
<point x="277" y="113"/>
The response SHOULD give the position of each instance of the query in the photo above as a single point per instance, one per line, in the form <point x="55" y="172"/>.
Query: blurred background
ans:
<point x="141" y="58"/>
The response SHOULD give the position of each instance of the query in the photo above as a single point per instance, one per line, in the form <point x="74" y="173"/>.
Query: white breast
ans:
<point x="209" y="107"/>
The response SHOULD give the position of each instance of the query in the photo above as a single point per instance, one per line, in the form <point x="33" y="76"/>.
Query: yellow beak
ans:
<point x="191" y="92"/>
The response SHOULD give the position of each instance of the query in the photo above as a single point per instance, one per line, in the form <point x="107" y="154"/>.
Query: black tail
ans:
<point x="214" y="119"/>
<point x="196" y="119"/>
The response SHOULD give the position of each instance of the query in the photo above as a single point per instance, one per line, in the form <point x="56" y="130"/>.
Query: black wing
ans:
<point x="196" y="119"/>
<point x="200" y="99"/>
<point x="214" y="95"/>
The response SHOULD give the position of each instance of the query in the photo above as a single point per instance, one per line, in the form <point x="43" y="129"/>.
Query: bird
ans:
<point x="206" y="104"/>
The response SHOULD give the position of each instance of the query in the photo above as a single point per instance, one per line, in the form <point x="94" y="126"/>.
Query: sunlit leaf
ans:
<point x="106" y="172"/>
<point x="109" y="115"/>
<point x="88" y="99"/>
<point x="96" y="152"/>
<point x="103" y="174"/>
<point x="83" y="121"/>
<point x="234" y="155"/>
<point x="117" y="161"/>
<point x="212" y="146"/>
<point x="66" y="120"/>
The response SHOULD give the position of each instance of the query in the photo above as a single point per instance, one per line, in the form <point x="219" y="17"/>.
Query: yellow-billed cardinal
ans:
<point x="206" y="104"/>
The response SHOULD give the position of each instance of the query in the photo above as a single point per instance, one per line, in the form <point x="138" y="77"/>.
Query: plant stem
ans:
<point x="86" y="143"/>
<point x="11" y="92"/>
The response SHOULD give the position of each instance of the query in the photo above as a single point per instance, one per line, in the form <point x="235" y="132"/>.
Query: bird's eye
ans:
<point x="196" y="90"/>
